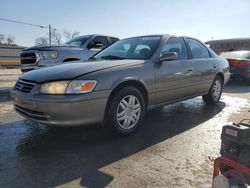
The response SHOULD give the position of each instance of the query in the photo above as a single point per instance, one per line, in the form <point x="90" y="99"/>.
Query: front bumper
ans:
<point x="62" y="110"/>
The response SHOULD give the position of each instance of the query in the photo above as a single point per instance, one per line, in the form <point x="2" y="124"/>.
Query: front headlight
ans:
<point x="48" y="54"/>
<point x="81" y="86"/>
<point x="68" y="87"/>
<point x="58" y="87"/>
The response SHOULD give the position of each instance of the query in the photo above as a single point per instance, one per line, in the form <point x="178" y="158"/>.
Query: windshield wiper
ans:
<point x="111" y="57"/>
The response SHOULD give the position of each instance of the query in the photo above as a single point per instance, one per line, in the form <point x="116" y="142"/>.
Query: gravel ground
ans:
<point x="8" y="77"/>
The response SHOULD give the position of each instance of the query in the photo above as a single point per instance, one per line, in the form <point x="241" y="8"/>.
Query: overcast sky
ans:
<point x="124" y="18"/>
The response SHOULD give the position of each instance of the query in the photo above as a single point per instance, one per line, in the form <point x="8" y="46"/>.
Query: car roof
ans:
<point x="164" y="36"/>
<point x="92" y="35"/>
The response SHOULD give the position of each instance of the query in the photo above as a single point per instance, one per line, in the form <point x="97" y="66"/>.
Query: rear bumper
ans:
<point x="62" y="110"/>
<point x="240" y="72"/>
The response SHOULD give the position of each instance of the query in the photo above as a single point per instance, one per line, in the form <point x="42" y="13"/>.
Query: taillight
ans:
<point x="238" y="63"/>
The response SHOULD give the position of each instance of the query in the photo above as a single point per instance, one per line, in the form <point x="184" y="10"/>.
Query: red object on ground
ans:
<point x="230" y="163"/>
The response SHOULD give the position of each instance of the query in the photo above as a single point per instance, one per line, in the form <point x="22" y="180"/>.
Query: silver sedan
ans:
<point x="118" y="85"/>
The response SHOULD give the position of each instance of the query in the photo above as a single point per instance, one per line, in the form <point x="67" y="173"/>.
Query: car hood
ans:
<point x="75" y="69"/>
<point x="52" y="47"/>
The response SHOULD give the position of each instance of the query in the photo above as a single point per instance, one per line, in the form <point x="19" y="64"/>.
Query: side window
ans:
<point x="113" y="40"/>
<point x="197" y="49"/>
<point x="98" y="42"/>
<point x="176" y="45"/>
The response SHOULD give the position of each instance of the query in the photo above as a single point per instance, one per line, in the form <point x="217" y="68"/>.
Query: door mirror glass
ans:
<point x="168" y="56"/>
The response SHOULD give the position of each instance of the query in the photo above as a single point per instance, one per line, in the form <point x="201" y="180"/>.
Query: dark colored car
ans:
<point x="239" y="62"/>
<point x="80" y="48"/>
<point x="121" y="82"/>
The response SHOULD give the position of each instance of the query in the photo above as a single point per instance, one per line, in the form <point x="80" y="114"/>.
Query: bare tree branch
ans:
<point x="41" y="41"/>
<point x="2" y="38"/>
<point x="70" y="35"/>
<point x="10" y="40"/>
<point x="56" y="37"/>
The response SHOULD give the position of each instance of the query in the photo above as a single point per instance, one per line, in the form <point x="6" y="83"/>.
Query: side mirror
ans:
<point x="96" y="45"/>
<point x="168" y="56"/>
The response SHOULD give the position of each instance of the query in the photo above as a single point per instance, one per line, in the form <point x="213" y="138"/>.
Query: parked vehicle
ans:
<point x="121" y="82"/>
<point x="80" y="48"/>
<point x="239" y="62"/>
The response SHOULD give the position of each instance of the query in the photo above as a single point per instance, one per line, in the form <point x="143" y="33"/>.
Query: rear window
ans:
<point x="236" y="55"/>
<point x="77" y="41"/>
<point x="113" y="40"/>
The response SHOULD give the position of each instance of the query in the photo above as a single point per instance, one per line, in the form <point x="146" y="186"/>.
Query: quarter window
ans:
<point x="176" y="45"/>
<point x="197" y="49"/>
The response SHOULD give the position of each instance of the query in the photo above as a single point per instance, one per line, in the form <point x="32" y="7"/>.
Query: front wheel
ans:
<point x="215" y="91"/>
<point x="126" y="111"/>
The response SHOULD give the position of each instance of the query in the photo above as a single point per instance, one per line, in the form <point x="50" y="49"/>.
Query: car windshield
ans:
<point x="236" y="55"/>
<point x="77" y="41"/>
<point x="132" y="48"/>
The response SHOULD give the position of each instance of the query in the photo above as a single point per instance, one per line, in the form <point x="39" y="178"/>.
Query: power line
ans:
<point x="24" y="23"/>
<point x="31" y="24"/>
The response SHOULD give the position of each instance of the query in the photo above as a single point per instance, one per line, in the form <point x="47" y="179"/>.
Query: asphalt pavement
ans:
<point x="173" y="148"/>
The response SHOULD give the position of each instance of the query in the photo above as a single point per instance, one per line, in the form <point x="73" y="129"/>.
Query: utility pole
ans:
<point x="49" y="34"/>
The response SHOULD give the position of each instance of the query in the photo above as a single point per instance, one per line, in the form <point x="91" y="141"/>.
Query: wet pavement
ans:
<point x="171" y="149"/>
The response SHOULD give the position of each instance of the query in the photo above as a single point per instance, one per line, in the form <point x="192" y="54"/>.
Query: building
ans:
<point x="9" y="55"/>
<point x="225" y="45"/>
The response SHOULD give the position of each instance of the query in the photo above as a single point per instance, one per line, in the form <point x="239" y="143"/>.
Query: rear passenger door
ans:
<point x="172" y="77"/>
<point x="202" y="65"/>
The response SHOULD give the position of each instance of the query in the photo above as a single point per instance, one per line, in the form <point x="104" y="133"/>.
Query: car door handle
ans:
<point x="215" y="66"/>
<point x="190" y="70"/>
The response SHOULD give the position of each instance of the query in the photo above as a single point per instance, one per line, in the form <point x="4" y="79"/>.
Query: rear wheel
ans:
<point x="126" y="111"/>
<point x="215" y="92"/>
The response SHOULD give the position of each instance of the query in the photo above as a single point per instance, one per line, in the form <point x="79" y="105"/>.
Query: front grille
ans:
<point x="29" y="58"/>
<point x="31" y="113"/>
<point x="24" y="86"/>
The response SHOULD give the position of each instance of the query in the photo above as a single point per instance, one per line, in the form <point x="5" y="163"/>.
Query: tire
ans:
<point x="215" y="92"/>
<point x="126" y="111"/>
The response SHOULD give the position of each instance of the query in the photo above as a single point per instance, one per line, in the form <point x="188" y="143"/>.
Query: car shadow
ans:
<point x="236" y="86"/>
<point x="49" y="157"/>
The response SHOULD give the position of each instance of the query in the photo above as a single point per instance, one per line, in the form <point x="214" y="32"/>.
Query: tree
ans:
<point x="56" y="37"/>
<point x="41" y="41"/>
<point x="10" y="40"/>
<point x="2" y="38"/>
<point x="68" y="35"/>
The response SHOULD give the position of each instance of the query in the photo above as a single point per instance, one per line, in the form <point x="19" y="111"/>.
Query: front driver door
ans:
<point x="172" y="77"/>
